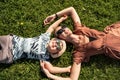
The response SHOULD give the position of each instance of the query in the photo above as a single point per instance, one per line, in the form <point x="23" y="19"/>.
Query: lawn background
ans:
<point x="25" y="18"/>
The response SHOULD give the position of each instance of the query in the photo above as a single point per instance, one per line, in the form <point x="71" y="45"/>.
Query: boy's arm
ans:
<point x="56" y="24"/>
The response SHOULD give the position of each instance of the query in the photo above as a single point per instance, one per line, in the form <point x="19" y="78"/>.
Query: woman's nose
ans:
<point x="66" y="31"/>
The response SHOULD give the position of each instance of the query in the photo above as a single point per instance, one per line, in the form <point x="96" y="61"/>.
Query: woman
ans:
<point x="85" y="47"/>
<point x="41" y="48"/>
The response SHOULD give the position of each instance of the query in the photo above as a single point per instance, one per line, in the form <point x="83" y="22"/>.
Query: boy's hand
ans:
<point x="49" y="19"/>
<point x="64" y="17"/>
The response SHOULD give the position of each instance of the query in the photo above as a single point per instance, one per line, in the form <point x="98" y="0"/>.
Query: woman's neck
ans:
<point x="71" y="38"/>
<point x="76" y="39"/>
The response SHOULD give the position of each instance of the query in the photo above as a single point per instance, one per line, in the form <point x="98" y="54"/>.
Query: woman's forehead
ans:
<point x="58" y="28"/>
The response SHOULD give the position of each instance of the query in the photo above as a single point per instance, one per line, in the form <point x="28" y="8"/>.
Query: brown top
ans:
<point x="103" y="43"/>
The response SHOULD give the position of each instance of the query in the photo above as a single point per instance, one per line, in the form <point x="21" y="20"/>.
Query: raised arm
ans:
<point x="74" y="74"/>
<point x="70" y="11"/>
<point x="56" y="24"/>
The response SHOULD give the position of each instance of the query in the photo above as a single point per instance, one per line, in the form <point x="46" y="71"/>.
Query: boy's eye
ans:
<point x="58" y="44"/>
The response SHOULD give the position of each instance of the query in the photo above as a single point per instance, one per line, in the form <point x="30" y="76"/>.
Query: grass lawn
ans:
<point x="25" y="18"/>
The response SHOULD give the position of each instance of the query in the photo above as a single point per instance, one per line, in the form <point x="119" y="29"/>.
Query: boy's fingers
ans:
<point x="41" y="62"/>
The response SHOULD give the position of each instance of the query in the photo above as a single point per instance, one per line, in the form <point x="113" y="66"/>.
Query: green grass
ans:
<point x="25" y="18"/>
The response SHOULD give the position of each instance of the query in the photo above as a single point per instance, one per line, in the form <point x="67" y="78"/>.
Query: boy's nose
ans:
<point x="54" y="43"/>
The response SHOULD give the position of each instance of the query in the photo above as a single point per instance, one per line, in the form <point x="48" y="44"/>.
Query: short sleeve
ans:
<point x="45" y="57"/>
<point x="78" y="57"/>
<point x="77" y="25"/>
<point x="113" y="29"/>
<point x="46" y="35"/>
<point x="83" y="30"/>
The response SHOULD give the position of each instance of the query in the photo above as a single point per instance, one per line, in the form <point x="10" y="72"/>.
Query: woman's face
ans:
<point x="54" y="46"/>
<point x="62" y="32"/>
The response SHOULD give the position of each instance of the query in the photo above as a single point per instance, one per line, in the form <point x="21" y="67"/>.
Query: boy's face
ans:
<point x="54" y="46"/>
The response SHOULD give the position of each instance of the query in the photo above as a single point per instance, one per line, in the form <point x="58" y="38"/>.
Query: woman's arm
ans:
<point x="70" y="11"/>
<point x="53" y="69"/>
<point x="75" y="72"/>
<point x="56" y="24"/>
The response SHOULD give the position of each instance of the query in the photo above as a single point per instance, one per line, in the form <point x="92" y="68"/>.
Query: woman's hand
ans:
<point x="69" y="69"/>
<point x="49" y="19"/>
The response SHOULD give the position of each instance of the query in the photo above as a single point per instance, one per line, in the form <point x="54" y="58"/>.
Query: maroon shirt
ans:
<point x="108" y="44"/>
